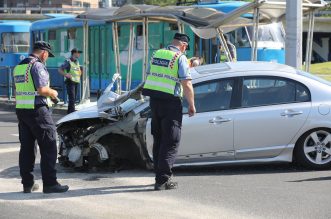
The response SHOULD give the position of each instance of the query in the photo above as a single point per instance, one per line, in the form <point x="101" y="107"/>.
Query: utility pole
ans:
<point x="293" y="45"/>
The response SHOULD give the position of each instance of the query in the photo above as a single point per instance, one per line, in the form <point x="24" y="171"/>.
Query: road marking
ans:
<point x="8" y="150"/>
<point x="15" y="135"/>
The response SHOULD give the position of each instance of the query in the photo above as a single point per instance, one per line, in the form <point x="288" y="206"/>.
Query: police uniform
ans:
<point x="35" y="122"/>
<point x="71" y="66"/>
<point x="167" y="68"/>
<point x="232" y="50"/>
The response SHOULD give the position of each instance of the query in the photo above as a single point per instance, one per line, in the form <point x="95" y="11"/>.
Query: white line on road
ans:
<point x="15" y="135"/>
<point x="8" y="150"/>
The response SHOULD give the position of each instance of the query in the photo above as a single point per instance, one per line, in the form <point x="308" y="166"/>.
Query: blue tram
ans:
<point x="271" y="37"/>
<point x="14" y="39"/>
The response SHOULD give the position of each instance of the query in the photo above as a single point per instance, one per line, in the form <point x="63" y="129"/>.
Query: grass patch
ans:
<point x="322" y="70"/>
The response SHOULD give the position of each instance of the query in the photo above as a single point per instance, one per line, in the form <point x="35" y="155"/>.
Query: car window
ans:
<point x="262" y="91"/>
<point x="211" y="96"/>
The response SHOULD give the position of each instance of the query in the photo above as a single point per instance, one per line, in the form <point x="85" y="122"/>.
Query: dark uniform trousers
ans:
<point x="37" y="124"/>
<point x="72" y="90"/>
<point x="166" y="131"/>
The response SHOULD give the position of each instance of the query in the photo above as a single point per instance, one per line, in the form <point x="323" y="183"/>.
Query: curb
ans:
<point x="9" y="105"/>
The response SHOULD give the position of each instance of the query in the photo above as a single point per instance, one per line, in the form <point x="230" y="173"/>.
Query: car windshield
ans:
<point x="308" y="75"/>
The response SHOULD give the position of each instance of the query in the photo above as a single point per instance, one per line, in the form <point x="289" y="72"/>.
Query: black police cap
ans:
<point x="184" y="38"/>
<point x="44" y="46"/>
<point x="74" y="50"/>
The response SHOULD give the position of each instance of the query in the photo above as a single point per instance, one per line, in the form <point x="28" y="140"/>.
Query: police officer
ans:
<point x="232" y="50"/>
<point x="35" y="121"/>
<point x="168" y="76"/>
<point x="72" y="72"/>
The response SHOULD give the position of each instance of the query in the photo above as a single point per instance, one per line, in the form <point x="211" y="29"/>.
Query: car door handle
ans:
<point x="219" y="119"/>
<point x="290" y="113"/>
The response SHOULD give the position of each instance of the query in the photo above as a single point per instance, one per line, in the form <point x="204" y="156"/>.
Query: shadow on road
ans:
<point x="70" y="173"/>
<point x="8" y="117"/>
<point x="239" y="170"/>
<point x="76" y="193"/>
<point x="313" y="179"/>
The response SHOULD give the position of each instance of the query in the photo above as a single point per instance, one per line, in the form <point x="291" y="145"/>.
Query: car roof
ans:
<point x="241" y="66"/>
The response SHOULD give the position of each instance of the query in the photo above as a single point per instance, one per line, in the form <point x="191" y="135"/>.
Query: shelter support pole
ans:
<point x="224" y="44"/>
<point x="86" y="84"/>
<point x="145" y="35"/>
<point x="117" y="55"/>
<point x="180" y="26"/>
<point x="130" y="53"/>
<point x="256" y="20"/>
<point x="10" y="83"/>
<point x="310" y="39"/>
<point x="293" y="46"/>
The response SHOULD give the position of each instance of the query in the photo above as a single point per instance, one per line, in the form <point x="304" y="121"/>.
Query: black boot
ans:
<point x="29" y="189"/>
<point x="57" y="188"/>
<point x="166" y="186"/>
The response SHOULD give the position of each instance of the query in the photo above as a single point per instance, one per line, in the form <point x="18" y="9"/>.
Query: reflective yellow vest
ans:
<point x="25" y="89"/>
<point x="163" y="75"/>
<point x="74" y="71"/>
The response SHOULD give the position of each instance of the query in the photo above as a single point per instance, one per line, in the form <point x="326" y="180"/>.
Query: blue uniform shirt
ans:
<point x="40" y="77"/>
<point x="183" y="70"/>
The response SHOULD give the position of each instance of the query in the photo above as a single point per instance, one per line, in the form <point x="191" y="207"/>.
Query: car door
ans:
<point x="208" y="135"/>
<point x="273" y="109"/>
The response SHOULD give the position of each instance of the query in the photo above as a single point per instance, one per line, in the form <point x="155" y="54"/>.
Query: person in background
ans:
<point x="195" y="61"/>
<point x="72" y="72"/>
<point x="232" y="49"/>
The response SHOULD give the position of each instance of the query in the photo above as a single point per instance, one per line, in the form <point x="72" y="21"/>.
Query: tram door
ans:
<point x="100" y="62"/>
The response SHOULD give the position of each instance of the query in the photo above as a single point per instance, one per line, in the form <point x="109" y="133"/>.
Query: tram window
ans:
<point x="72" y="33"/>
<point x="173" y="26"/>
<point x="35" y="37"/>
<point x="15" y="42"/>
<point x="118" y="30"/>
<point x="86" y="5"/>
<point x="52" y="35"/>
<point x="139" y="38"/>
<point x="139" y="30"/>
<point x="77" y="3"/>
<point x="240" y="37"/>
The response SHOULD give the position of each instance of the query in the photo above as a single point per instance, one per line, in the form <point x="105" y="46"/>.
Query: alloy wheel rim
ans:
<point x="317" y="147"/>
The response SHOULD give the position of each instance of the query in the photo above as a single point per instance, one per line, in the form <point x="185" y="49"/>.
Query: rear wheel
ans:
<point x="313" y="150"/>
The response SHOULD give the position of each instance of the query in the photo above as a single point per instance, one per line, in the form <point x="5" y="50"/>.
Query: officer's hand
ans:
<point x="68" y="76"/>
<point x="191" y="110"/>
<point x="54" y="94"/>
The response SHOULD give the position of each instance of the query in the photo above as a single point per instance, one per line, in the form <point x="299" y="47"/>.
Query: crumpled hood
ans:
<point x="109" y="105"/>
<point x="85" y="113"/>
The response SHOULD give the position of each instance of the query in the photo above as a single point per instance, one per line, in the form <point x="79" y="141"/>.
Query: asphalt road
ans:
<point x="264" y="191"/>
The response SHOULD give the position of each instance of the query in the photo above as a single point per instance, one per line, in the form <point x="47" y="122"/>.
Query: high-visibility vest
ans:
<point x="163" y="75"/>
<point x="25" y="89"/>
<point x="74" y="71"/>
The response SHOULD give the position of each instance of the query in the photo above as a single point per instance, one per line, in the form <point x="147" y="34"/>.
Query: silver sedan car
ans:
<point x="247" y="112"/>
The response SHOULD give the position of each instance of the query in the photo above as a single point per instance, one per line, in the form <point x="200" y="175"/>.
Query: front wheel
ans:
<point x="313" y="150"/>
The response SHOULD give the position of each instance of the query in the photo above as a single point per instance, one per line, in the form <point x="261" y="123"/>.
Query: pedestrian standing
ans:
<point x="72" y="72"/>
<point x="232" y="50"/>
<point x="35" y="122"/>
<point x="168" y="76"/>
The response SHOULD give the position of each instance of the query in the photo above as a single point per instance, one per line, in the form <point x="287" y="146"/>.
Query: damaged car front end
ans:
<point x="109" y="134"/>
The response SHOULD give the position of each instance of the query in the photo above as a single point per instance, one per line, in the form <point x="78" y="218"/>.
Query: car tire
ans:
<point x="313" y="149"/>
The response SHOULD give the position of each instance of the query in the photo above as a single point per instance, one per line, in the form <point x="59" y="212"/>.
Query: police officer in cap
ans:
<point x="35" y="122"/>
<point x="168" y="76"/>
<point x="72" y="72"/>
